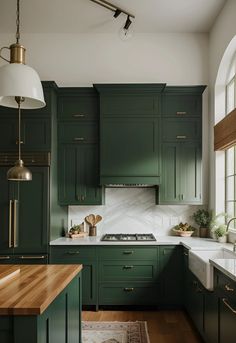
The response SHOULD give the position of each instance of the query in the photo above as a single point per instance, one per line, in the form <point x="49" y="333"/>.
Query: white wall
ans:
<point x="84" y="59"/>
<point x="220" y="37"/>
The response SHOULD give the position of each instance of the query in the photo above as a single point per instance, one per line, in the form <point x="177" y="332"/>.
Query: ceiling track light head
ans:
<point x="127" y="23"/>
<point x="117" y="13"/>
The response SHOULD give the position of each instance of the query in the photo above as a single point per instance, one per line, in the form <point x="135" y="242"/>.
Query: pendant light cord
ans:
<point x="19" y="130"/>
<point x="18" y="22"/>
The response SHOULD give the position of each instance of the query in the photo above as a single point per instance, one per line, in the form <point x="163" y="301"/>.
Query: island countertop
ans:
<point x="34" y="288"/>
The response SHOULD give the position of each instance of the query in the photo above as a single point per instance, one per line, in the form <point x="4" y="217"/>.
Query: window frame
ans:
<point x="230" y="81"/>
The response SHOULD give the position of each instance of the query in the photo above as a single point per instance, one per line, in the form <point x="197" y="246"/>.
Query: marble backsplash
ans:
<point x="133" y="210"/>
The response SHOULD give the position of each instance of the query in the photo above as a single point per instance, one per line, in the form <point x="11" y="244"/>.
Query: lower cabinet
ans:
<point x="80" y="255"/>
<point x="171" y="275"/>
<point x="226" y="291"/>
<point x="194" y="300"/>
<point x="24" y="259"/>
<point x="211" y="317"/>
<point x="128" y="275"/>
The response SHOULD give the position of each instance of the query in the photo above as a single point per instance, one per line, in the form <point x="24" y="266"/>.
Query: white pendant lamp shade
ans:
<point x="20" y="80"/>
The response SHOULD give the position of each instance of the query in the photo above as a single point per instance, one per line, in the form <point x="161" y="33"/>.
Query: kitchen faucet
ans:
<point x="227" y="229"/>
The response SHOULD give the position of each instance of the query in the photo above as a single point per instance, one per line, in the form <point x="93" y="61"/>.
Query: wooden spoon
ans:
<point x="90" y="219"/>
<point x="98" y="218"/>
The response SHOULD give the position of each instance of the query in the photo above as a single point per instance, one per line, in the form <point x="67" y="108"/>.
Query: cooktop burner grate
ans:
<point x="128" y="237"/>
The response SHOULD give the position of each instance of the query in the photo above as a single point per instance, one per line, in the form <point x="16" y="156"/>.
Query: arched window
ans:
<point x="230" y="154"/>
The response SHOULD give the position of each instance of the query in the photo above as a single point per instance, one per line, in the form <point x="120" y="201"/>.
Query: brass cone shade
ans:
<point x="19" y="172"/>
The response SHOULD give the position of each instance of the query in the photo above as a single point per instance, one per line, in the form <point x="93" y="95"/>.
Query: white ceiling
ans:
<point x="75" y="16"/>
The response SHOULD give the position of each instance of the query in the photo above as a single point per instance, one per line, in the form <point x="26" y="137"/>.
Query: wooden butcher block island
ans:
<point x="40" y="303"/>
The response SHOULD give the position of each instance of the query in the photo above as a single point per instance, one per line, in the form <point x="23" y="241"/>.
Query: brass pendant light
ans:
<point x="20" y="87"/>
<point x="19" y="172"/>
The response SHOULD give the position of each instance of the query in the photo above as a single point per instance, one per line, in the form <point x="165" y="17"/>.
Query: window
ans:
<point x="230" y="154"/>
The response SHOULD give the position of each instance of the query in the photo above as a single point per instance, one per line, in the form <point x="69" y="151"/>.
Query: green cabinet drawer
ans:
<point x="80" y="106"/>
<point x="128" y="253"/>
<point x="181" y="130"/>
<point x="71" y="254"/>
<point x="128" y="270"/>
<point x="128" y="293"/>
<point x="178" y="105"/>
<point x="227" y="320"/>
<point x="77" y="132"/>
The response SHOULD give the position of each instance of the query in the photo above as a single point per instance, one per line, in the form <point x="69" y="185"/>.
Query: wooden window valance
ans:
<point x="225" y="132"/>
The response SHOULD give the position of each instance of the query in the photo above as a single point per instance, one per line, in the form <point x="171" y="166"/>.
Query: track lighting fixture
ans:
<point x="125" y="32"/>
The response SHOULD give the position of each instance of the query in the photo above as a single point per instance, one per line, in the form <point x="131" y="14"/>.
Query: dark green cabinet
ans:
<point x="60" y="322"/>
<point x="171" y="275"/>
<point x="35" y="133"/>
<point x="211" y="317"/>
<point x="78" y="151"/>
<point x="80" y="255"/>
<point x="128" y="275"/>
<point x="78" y="175"/>
<point x="130" y="150"/>
<point x="181" y="174"/>
<point x="130" y="133"/>
<point x="24" y="219"/>
<point x="194" y="294"/>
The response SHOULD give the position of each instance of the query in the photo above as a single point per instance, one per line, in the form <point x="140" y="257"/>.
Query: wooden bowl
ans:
<point x="183" y="233"/>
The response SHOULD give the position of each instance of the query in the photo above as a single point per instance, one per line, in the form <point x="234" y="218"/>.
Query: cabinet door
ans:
<point x="169" y="188"/>
<point x="78" y="175"/>
<point x="211" y="317"/>
<point x="181" y="174"/>
<point x="35" y="133"/>
<point x="190" y="173"/>
<point x="129" y="148"/>
<point x="171" y="274"/>
<point x="227" y="320"/>
<point x="8" y="194"/>
<point x="195" y="301"/>
<point x="32" y="233"/>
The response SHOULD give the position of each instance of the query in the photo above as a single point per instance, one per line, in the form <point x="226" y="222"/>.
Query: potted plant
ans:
<point x="202" y="218"/>
<point x="221" y="233"/>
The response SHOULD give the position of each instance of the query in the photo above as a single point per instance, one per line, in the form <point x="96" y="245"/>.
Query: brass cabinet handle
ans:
<point x="185" y="253"/>
<point x="15" y="224"/>
<point x="128" y="289"/>
<point x="10" y="223"/>
<point x="82" y="197"/>
<point x="79" y="139"/>
<point x="73" y="252"/>
<point x="228" y="288"/>
<point x="21" y="142"/>
<point x="4" y="257"/>
<point x="181" y="137"/>
<point x="78" y="115"/>
<point x="180" y="113"/>
<point x="228" y="305"/>
<point x="128" y="252"/>
<point x="31" y="257"/>
<point x="128" y="267"/>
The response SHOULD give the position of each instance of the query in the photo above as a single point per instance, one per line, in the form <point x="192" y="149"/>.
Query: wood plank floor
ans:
<point x="163" y="326"/>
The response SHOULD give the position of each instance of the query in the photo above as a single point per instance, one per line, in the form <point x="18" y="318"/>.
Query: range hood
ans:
<point x="129" y="185"/>
<point x="129" y="181"/>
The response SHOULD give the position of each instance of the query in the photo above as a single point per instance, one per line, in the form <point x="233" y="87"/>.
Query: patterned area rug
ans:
<point x="114" y="332"/>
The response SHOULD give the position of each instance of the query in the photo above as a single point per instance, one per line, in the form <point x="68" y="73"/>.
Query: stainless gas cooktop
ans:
<point x="129" y="237"/>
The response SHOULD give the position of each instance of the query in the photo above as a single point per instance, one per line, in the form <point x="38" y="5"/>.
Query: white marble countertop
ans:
<point x="195" y="243"/>
<point x="226" y="266"/>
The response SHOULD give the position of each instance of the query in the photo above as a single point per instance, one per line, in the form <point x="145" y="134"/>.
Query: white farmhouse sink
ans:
<point x="200" y="265"/>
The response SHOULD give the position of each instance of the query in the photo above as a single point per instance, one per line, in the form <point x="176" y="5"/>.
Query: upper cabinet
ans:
<point x="130" y="133"/>
<point x="78" y="155"/>
<point x="181" y="153"/>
